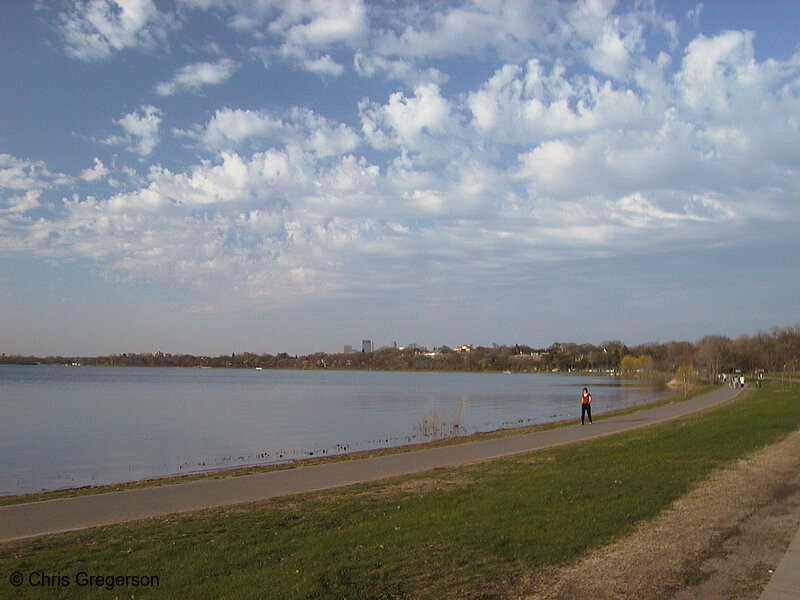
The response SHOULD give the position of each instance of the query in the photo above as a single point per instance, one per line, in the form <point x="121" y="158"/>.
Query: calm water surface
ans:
<point x="64" y="427"/>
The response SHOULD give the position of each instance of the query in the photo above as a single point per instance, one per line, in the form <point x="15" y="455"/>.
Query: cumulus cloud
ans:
<point x="308" y="32"/>
<point x="22" y="203"/>
<point x="141" y="131"/>
<point x="96" y="29"/>
<point x="244" y="227"/>
<point x="414" y="123"/>
<point x="21" y="174"/>
<point x="22" y="185"/>
<point x="716" y="69"/>
<point x="398" y="69"/>
<point x="321" y="24"/>
<point x="612" y="41"/>
<point x="95" y="173"/>
<point x="193" y="77"/>
<point x="323" y="65"/>
<point x="580" y="140"/>
<point x="231" y="129"/>
<point x="519" y="105"/>
<point x="322" y="136"/>
<point x="610" y="53"/>
<point x="507" y="29"/>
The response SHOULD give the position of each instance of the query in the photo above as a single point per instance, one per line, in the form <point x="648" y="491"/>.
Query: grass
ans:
<point x="242" y="471"/>
<point x="752" y="584"/>
<point x="471" y="532"/>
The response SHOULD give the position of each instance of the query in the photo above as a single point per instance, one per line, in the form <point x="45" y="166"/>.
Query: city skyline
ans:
<point x="214" y="177"/>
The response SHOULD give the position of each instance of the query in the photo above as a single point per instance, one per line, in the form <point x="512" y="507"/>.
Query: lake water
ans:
<point x="64" y="427"/>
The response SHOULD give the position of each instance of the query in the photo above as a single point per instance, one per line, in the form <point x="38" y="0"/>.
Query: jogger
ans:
<point x="586" y="405"/>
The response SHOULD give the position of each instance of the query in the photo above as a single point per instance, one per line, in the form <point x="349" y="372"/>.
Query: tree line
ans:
<point x="774" y="351"/>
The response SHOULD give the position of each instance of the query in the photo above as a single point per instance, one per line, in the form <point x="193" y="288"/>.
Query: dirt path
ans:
<point x="719" y="542"/>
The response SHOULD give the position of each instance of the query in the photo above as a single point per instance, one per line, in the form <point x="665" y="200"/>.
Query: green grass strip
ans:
<point x="470" y="532"/>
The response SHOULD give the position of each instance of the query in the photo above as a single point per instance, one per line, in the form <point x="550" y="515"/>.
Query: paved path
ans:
<point x="68" y="514"/>
<point x="785" y="581"/>
<point x="784" y="584"/>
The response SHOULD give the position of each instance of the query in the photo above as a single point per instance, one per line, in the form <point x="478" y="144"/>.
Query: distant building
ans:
<point x="348" y="349"/>
<point x="366" y="346"/>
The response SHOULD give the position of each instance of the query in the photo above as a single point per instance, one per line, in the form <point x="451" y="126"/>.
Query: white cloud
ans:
<point x="611" y="41"/>
<point x="524" y="106"/>
<point x="95" y="173"/>
<point x="584" y="141"/>
<point x="305" y="58"/>
<point x="94" y="30"/>
<point x="22" y="185"/>
<point x="323" y="65"/>
<point x="141" y="131"/>
<point x="307" y="31"/>
<point x="321" y="24"/>
<point x="610" y="54"/>
<point x="713" y="66"/>
<point x="20" y="204"/>
<point x="157" y="231"/>
<point x="508" y="29"/>
<point x="398" y="69"/>
<point x="744" y="110"/>
<point x="231" y="129"/>
<point x="413" y="123"/>
<point x="21" y="174"/>
<point x="548" y="165"/>
<point x="193" y="77"/>
<point x="322" y="136"/>
<point x="637" y="211"/>
<point x="18" y="174"/>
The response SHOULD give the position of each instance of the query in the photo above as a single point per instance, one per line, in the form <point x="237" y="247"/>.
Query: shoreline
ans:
<point x="34" y="519"/>
<point x="261" y="468"/>
<point x="335" y="369"/>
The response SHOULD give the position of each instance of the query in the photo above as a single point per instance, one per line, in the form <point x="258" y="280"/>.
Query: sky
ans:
<point x="215" y="176"/>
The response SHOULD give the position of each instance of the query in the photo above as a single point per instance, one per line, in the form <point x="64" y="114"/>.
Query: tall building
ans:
<point x="366" y="345"/>
<point x="348" y="349"/>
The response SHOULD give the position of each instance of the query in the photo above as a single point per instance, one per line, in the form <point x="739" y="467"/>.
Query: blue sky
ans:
<point x="213" y="176"/>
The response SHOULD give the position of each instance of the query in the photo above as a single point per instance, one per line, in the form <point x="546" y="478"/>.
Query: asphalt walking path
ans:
<point x="68" y="514"/>
<point x="784" y="583"/>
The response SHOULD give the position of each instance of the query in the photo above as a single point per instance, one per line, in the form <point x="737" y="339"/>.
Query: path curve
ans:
<point x="35" y="519"/>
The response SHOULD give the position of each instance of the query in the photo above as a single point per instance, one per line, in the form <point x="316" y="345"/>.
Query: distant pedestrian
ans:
<point x="586" y="405"/>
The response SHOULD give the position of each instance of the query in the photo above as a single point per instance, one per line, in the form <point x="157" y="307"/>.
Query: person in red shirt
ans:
<point x="586" y="405"/>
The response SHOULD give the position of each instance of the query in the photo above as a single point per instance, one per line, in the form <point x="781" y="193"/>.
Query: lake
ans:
<point x="63" y="427"/>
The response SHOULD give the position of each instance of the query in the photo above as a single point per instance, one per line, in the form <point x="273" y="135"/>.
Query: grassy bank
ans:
<point x="470" y="532"/>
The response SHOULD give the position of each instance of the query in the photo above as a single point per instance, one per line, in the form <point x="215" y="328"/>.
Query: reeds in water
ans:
<point x="434" y="426"/>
